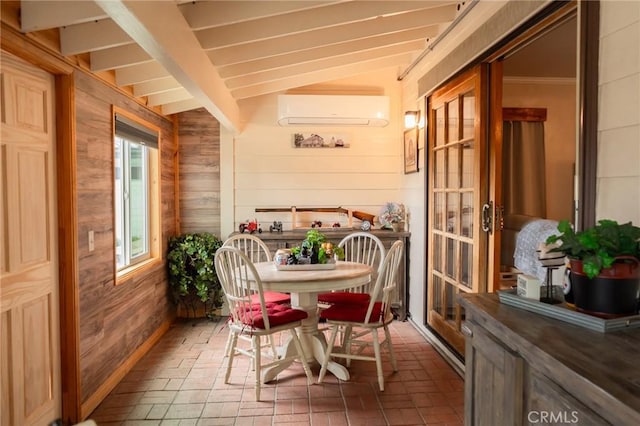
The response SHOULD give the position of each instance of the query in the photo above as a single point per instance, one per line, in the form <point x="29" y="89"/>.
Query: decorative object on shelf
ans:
<point x="605" y="267"/>
<point x="315" y="140"/>
<point x="392" y="216"/>
<point x="314" y="249"/>
<point x="276" y="226"/>
<point x="295" y="210"/>
<point x="316" y="224"/>
<point x="365" y="225"/>
<point x="551" y="261"/>
<point x="411" y="150"/>
<point x="250" y="227"/>
<point x="193" y="281"/>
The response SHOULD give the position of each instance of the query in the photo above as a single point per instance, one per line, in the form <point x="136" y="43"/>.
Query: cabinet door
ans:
<point x="493" y="380"/>
<point x="547" y="402"/>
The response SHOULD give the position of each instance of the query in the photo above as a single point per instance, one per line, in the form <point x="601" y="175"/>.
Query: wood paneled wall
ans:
<point x="114" y="320"/>
<point x="199" y="169"/>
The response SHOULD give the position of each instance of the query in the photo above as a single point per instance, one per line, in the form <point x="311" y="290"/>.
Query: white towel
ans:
<point x="528" y="241"/>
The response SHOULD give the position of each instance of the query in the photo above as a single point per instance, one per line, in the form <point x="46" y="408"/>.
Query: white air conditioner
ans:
<point x="333" y="110"/>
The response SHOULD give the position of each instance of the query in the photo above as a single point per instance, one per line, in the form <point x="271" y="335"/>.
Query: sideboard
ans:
<point x="523" y="368"/>
<point x="288" y="239"/>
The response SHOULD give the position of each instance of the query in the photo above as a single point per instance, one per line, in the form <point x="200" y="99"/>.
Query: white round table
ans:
<point x="304" y="286"/>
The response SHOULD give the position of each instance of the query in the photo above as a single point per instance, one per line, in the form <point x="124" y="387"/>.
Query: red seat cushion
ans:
<point x="351" y="313"/>
<point x="272" y="297"/>
<point x="278" y="315"/>
<point x="344" y="297"/>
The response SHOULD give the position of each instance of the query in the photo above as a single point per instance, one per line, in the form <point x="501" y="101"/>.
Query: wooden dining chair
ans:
<point x="251" y="321"/>
<point x="257" y="251"/>
<point x="359" y="247"/>
<point x="359" y="321"/>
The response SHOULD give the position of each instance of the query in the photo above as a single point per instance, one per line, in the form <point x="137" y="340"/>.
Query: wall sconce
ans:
<point x="411" y="119"/>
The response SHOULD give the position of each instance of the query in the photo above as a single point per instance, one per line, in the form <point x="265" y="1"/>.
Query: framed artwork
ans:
<point x="320" y="140"/>
<point x="411" y="150"/>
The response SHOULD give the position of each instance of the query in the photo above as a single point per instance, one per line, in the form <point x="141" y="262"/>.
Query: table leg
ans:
<point x="312" y="340"/>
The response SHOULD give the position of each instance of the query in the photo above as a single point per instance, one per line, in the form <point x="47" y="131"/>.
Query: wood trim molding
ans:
<point x="66" y="166"/>
<point x="589" y="44"/>
<point x="524" y="114"/>
<point x="23" y="47"/>
<point x="49" y="60"/>
<point x="99" y="395"/>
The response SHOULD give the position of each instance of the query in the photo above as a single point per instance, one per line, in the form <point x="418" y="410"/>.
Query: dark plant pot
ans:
<point x="613" y="293"/>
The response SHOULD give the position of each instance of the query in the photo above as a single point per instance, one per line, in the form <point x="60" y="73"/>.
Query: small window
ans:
<point x="136" y="193"/>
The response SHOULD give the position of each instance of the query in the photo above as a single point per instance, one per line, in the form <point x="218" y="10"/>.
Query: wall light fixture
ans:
<point x="411" y="119"/>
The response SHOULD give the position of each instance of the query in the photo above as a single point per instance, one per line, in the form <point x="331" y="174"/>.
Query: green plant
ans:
<point x="192" y="273"/>
<point x="599" y="245"/>
<point x="317" y="243"/>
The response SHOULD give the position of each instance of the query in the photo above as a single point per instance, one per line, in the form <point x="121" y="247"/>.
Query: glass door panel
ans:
<point x="454" y="185"/>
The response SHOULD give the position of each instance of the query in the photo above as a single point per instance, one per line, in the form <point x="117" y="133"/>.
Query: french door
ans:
<point x="457" y="188"/>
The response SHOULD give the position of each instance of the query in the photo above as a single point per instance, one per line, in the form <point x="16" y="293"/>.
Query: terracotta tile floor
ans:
<point x="181" y="382"/>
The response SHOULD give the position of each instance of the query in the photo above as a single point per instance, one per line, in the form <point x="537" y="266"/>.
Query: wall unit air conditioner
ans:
<point x="333" y="110"/>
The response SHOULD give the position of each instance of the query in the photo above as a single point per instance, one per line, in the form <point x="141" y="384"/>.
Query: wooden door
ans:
<point x="457" y="182"/>
<point x="29" y="318"/>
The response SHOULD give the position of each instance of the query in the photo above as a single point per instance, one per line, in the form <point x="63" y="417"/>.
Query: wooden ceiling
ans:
<point x="178" y="55"/>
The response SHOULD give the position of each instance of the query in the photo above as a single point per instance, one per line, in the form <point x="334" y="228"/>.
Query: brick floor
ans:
<point x="181" y="382"/>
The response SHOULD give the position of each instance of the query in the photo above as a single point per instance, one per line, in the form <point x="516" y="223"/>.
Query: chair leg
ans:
<point x="376" y="350"/>
<point x="274" y="348"/>
<point x="232" y="351"/>
<point x="392" y="355"/>
<point x="301" y="355"/>
<point x="327" y="353"/>
<point x="255" y="343"/>
<point x="227" y="346"/>
<point x="346" y="343"/>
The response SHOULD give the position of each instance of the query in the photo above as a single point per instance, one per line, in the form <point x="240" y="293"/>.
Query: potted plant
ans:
<point x="317" y="248"/>
<point x="192" y="275"/>
<point x="605" y="266"/>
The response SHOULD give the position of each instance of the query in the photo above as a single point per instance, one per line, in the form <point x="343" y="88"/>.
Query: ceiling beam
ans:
<point x="90" y="36"/>
<point x="168" y="97"/>
<point x="207" y="14"/>
<point x="155" y="86"/>
<point x="161" y="30"/>
<point x="321" y="76"/>
<point x="180" y="106"/>
<point x="42" y="15"/>
<point x="326" y="63"/>
<point x="136" y="74"/>
<point x="327" y="36"/>
<point x="416" y="35"/>
<point x="118" y="57"/>
<point x="340" y="17"/>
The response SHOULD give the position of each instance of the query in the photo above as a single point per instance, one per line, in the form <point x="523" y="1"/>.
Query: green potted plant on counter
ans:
<point x="605" y="266"/>
<point x="193" y="281"/>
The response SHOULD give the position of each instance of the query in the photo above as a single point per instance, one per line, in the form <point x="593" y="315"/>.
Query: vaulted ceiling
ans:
<point x="178" y="55"/>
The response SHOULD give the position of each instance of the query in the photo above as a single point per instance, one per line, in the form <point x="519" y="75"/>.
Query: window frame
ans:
<point x="152" y="254"/>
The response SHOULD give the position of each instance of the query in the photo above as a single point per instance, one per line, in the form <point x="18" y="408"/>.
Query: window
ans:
<point x="135" y="193"/>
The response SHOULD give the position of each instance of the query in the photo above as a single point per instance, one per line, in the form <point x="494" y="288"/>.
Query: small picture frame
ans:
<point x="411" y="150"/>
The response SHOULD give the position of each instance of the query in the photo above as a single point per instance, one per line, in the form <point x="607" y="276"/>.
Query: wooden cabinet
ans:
<point x="523" y="369"/>
<point x="287" y="239"/>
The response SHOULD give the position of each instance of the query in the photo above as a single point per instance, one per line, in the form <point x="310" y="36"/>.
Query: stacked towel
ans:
<point x="530" y="239"/>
